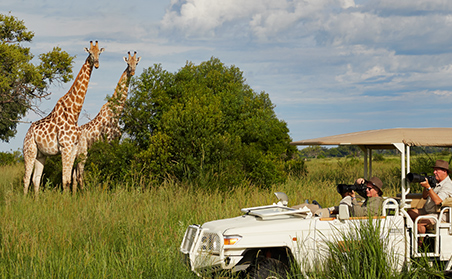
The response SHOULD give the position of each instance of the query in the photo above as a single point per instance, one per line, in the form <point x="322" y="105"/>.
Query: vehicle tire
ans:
<point x="268" y="269"/>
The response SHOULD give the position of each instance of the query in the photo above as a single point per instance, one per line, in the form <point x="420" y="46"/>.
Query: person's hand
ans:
<point x="425" y="184"/>
<point x="352" y="194"/>
<point x="360" y="180"/>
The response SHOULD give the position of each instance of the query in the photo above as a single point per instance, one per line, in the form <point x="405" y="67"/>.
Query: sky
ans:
<point x="329" y="66"/>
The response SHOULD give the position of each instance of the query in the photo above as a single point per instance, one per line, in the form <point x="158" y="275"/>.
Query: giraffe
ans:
<point x="58" y="132"/>
<point x="105" y="124"/>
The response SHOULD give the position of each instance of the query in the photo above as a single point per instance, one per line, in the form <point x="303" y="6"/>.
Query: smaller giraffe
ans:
<point x="105" y="124"/>
<point x="58" y="132"/>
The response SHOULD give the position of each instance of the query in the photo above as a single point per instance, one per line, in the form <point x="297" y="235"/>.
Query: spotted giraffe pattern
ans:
<point x="105" y="124"/>
<point x="59" y="132"/>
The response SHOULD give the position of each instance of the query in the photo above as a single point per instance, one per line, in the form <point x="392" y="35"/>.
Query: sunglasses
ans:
<point x="369" y="188"/>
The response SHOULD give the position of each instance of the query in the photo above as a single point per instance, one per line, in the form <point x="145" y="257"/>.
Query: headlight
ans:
<point x="210" y="242"/>
<point x="231" y="239"/>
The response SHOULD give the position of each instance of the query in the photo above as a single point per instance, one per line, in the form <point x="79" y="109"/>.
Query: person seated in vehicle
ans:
<point x="374" y="200"/>
<point x="434" y="196"/>
<point x="346" y="199"/>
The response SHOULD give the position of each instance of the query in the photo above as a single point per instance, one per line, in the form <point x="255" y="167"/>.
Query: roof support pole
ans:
<point x="365" y="161"/>
<point x="370" y="162"/>
<point x="405" y="184"/>
<point x="402" y="148"/>
<point x="408" y="165"/>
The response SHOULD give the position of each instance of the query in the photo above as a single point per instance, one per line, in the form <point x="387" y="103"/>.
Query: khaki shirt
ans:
<point x="443" y="190"/>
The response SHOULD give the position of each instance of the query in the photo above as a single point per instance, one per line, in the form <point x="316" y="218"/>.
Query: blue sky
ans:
<point x="329" y="66"/>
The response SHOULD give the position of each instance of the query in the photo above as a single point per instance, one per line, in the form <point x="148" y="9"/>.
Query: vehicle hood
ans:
<point x="251" y="224"/>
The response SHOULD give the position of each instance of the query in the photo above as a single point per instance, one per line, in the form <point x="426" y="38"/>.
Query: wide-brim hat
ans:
<point x="441" y="164"/>
<point x="375" y="181"/>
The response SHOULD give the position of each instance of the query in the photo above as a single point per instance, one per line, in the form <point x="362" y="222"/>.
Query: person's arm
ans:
<point x="428" y="192"/>
<point x="360" y="181"/>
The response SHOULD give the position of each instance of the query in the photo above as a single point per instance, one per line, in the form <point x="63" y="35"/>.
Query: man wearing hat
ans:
<point x="374" y="200"/>
<point x="434" y="196"/>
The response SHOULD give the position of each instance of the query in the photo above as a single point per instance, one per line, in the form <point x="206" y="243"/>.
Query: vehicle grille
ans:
<point x="190" y="235"/>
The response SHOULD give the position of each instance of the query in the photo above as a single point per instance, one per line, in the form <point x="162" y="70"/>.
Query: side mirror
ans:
<point x="283" y="199"/>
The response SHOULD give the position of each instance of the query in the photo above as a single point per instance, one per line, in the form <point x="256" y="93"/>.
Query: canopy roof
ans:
<point x="386" y="138"/>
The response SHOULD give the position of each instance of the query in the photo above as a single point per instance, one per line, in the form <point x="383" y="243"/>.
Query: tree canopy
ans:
<point x="204" y="122"/>
<point x="21" y="82"/>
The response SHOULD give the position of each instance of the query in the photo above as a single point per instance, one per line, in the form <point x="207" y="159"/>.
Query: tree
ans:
<point x="21" y="82"/>
<point x="313" y="151"/>
<point x="205" y="123"/>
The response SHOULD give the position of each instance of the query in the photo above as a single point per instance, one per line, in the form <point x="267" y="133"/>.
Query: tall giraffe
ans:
<point x="58" y="132"/>
<point x="105" y="124"/>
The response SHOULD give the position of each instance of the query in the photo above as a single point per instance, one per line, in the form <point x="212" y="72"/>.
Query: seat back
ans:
<point x="390" y="207"/>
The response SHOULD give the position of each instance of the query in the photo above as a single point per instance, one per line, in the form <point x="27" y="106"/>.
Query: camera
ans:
<point x="358" y="188"/>
<point x="414" y="178"/>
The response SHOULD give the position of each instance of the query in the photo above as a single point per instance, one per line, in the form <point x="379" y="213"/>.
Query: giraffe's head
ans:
<point x="132" y="62"/>
<point x="94" y="53"/>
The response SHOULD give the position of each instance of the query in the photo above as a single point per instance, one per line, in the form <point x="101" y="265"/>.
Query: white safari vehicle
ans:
<point x="269" y="238"/>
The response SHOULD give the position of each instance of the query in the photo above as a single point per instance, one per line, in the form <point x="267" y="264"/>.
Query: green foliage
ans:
<point x="192" y="124"/>
<point x="317" y="151"/>
<point x="296" y="168"/>
<point x="423" y="164"/>
<point x="10" y="158"/>
<point x="21" y="82"/>
<point x="52" y="175"/>
<point x="112" y="161"/>
<point x="378" y="157"/>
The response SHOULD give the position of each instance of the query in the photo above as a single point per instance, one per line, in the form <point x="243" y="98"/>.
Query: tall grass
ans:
<point x="134" y="231"/>
<point x="360" y="253"/>
<point x="364" y="252"/>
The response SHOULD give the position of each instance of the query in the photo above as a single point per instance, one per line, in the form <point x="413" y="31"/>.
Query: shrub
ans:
<point x="112" y="161"/>
<point x="191" y="124"/>
<point x="10" y="158"/>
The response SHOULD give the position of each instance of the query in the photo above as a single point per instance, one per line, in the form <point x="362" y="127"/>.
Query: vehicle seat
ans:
<point x="390" y="207"/>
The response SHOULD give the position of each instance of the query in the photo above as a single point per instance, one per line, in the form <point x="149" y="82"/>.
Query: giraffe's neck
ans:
<point x="106" y="118"/>
<point x="120" y="94"/>
<point x="71" y="103"/>
<point x="122" y="87"/>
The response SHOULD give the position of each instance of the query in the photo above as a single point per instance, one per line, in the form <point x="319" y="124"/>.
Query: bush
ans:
<point x="52" y="175"/>
<point x="296" y="168"/>
<point x="192" y="124"/>
<point x="10" y="158"/>
<point x="112" y="161"/>
<point x="377" y="157"/>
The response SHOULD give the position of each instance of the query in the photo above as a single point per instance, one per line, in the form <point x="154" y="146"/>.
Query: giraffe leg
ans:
<point x="30" y="152"/>
<point x="68" y="158"/>
<point x="79" y="170"/>
<point x="74" y="176"/>
<point x="39" y="168"/>
<point x="67" y="168"/>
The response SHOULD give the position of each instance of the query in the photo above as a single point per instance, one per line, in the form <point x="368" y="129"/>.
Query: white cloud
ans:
<point x="263" y="18"/>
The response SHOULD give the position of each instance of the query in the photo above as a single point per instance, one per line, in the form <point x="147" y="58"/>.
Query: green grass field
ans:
<point x="133" y="233"/>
